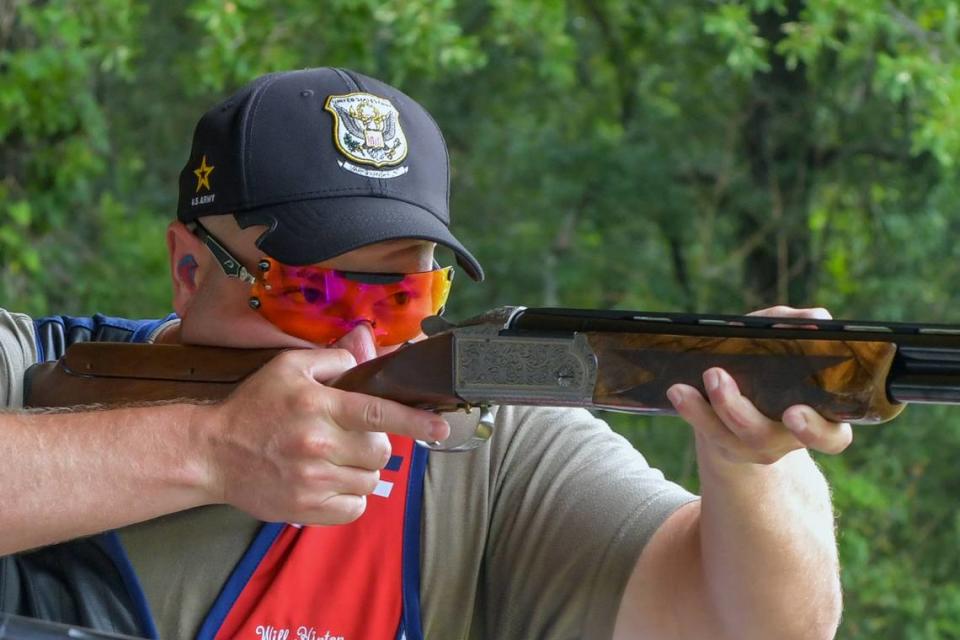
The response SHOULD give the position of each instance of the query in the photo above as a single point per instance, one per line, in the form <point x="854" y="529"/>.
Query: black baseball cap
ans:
<point x="329" y="159"/>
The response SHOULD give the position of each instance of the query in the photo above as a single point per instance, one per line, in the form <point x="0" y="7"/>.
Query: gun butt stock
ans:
<point x="115" y="373"/>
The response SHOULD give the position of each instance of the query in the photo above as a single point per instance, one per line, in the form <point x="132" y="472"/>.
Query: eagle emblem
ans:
<point x="366" y="129"/>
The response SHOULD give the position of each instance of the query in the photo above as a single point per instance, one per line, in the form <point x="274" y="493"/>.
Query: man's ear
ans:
<point x="186" y="253"/>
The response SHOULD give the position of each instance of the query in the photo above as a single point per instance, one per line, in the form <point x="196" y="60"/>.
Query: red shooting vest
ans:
<point x="359" y="581"/>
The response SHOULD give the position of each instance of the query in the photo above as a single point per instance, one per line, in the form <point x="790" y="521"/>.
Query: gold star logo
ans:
<point x="203" y="174"/>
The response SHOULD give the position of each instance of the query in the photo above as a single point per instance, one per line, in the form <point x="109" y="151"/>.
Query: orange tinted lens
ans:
<point x="321" y="305"/>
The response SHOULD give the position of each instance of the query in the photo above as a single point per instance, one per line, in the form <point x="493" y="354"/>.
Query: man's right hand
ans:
<point x="285" y="448"/>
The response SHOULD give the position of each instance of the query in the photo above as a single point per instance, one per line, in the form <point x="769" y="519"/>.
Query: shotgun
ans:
<point x="854" y="371"/>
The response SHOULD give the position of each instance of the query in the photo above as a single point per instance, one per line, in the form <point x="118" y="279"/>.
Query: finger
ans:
<point x="815" y="431"/>
<point x="310" y="485"/>
<point x="360" y="412"/>
<point x="694" y="408"/>
<point x="353" y="480"/>
<point x="741" y="417"/>
<point x="368" y="450"/>
<point x="326" y="441"/>
<point x="783" y="311"/>
<point x="776" y="311"/>
<point x="341" y="508"/>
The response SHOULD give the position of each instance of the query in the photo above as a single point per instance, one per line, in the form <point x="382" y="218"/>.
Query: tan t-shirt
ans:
<point x="533" y="535"/>
<point x="18" y="350"/>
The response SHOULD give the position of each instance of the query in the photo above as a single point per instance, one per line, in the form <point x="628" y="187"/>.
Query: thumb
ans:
<point x="319" y="364"/>
<point x="359" y="342"/>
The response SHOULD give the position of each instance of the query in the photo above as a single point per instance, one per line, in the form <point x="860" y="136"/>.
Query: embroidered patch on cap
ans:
<point x="203" y="182"/>
<point x="367" y="131"/>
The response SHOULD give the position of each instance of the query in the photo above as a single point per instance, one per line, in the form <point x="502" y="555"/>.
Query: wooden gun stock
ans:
<point x="844" y="381"/>
<point x="115" y="373"/>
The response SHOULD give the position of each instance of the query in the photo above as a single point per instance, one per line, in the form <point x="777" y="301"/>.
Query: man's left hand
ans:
<point x="730" y="423"/>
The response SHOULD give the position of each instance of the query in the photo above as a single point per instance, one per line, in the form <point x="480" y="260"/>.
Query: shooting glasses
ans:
<point x="322" y="305"/>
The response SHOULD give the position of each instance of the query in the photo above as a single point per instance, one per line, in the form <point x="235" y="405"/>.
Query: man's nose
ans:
<point x="359" y="341"/>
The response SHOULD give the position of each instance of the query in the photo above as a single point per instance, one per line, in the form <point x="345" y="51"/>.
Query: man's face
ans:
<point x="218" y="310"/>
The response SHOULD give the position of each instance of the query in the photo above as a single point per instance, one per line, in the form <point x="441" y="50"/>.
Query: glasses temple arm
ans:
<point x="230" y="265"/>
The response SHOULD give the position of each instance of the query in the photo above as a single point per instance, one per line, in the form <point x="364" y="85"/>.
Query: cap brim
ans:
<point x="311" y="231"/>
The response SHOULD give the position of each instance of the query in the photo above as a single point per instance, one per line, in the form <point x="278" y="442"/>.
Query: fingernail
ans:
<point x="675" y="396"/>
<point x="712" y="380"/>
<point x="439" y="429"/>
<point x="796" y="421"/>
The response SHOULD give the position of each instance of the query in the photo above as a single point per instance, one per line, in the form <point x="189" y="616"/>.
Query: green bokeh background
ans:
<point x="662" y="155"/>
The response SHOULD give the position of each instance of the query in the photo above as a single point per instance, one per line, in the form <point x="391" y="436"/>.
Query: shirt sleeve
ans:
<point x="576" y="503"/>
<point x="18" y="351"/>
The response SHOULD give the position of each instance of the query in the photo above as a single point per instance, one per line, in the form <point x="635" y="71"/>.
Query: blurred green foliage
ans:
<point x="664" y="155"/>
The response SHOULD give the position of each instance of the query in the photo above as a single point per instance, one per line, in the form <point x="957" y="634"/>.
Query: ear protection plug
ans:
<point x="187" y="269"/>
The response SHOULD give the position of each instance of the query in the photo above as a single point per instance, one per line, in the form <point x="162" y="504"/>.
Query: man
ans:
<point x="302" y="191"/>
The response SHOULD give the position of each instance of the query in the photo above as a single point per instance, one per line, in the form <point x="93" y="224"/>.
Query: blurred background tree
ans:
<point x="664" y="155"/>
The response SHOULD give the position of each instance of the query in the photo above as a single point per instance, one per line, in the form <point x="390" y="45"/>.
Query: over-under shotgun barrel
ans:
<point x="862" y="371"/>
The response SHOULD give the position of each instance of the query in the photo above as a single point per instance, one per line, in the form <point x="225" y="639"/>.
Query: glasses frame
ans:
<point x="233" y="268"/>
